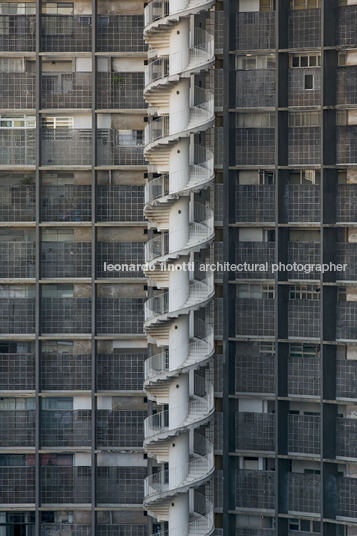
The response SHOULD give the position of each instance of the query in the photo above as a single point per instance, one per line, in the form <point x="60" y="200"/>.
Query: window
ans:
<point x="252" y="62"/>
<point x="256" y="291"/>
<point x="309" y="81"/>
<point x="17" y="291"/>
<point x="267" y="348"/>
<point x="305" y="60"/>
<point x="301" y="119"/>
<point x="57" y="403"/>
<point x="342" y="117"/>
<point x="305" y="4"/>
<point x="256" y="120"/>
<point x="266" y="177"/>
<point x="58" y="122"/>
<point x="57" y="8"/>
<point x="22" y="8"/>
<point x="304" y="292"/>
<point x="341" y="294"/>
<point x="11" y="121"/>
<point x="266" y="5"/>
<point x="304" y="350"/>
<point x="130" y="137"/>
<point x="11" y="65"/>
<point x="306" y="176"/>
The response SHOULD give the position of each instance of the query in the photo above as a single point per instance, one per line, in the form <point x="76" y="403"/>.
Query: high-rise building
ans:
<point x="72" y="347"/>
<point x="289" y="184"/>
<point x="165" y="399"/>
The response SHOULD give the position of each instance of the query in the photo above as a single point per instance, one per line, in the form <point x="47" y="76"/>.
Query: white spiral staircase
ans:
<point x="179" y="110"/>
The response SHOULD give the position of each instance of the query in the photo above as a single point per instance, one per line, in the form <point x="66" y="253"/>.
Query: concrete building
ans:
<point x="178" y="402"/>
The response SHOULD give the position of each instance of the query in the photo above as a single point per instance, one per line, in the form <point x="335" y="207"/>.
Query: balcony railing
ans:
<point x="304" y="318"/>
<point x="120" y="203"/>
<point x="304" y="28"/>
<point x="122" y="253"/>
<point x="255" y="203"/>
<point x="346" y="326"/>
<point x="17" y="315"/>
<point x="304" y="253"/>
<point x="18" y="90"/>
<point x="255" y="30"/>
<point x="304" y="434"/>
<point x="18" y="33"/>
<point x="298" y="96"/>
<point x="255" y="431"/>
<point x="255" y="253"/>
<point x="66" y="203"/>
<point x="255" y="89"/>
<point x="255" y="489"/>
<point x="346" y="144"/>
<point x="255" y="146"/>
<point x="18" y="428"/>
<point x="65" y="428"/>
<point x="65" y="372"/>
<point x="255" y="317"/>
<point x="303" y="203"/>
<point x="120" y="372"/>
<point x="66" y="33"/>
<point x="65" y="485"/>
<point x="66" y="315"/>
<point x="18" y="259"/>
<point x="304" y="493"/>
<point x="120" y="428"/>
<point x="304" y="376"/>
<point x="110" y="317"/>
<point x="346" y="203"/>
<point x="66" y="90"/>
<point x="17" y="203"/>
<point x="120" y="33"/>
<point x="255" y="374"/>
<point x="66" y="259"/>
<point x="65" y="529"/>
<point x="17" y="146"/>
<point x="66" y="146"/>
<point x="17" y="372"/>
<point x="120" y="485"/>
<point x="304" y="145"/>
<point x="347" y="26"/>
<point x="17" y="485"/>
<point x="120" y="90"/>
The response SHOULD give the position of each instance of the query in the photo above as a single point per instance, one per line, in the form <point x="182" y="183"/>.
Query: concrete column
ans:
<point x="179" y="46"/>
<point x="180" y="106"/>
<point x="179" y="515"/>
<point x="178" y="341"/>
<point x="179" y="165"/>
<point x="179" y="224"/>
<point x="177" y="5"/>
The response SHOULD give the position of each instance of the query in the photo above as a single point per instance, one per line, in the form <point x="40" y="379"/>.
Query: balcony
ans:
<point x="304" y="253"/>
<point x="255" y="203"/>
<point x="304" y="318"/>
<point x="66" y="90"/>
<point x="255" y="489"/>
<point x="66" y="315"/>
<point x="346" y="253"/>
<point x="255" y="89"/>
<point x="17" y="485"/>
<point x="304" y="28"/>
<point x="18" y="90"/>
<point x="298" y="96"/>
<point x="347" y="26"/>
<point x="66" y="259"/>
<point x="18" y="33"/>
<point x="255" y="30"/>
<point x="120" y="428"/>
<point x="17" y="203"/>
<point x="17" y="315"/>
<point x="255" y="253"/>
<point x="304" y="376"/>
<point x="346" y="497"/>
<point x="65" y="485"/>
<point x="65" y="428"/>
<point x="17" y="372"/>
<point x="255" y="374"/>
<point x="18" y="428"/>
<point x="64" y="529"/>
<point x="17" y="147"/>
<point x="255" y="431"/>
<point x="346" y="203"/>
<point x="66" y="33"/>
<point x="119" y="253"/>
<point x="304" y="145"/>
<point x="18" y="259"/>
<point x="120" y="33"/>
<point x="120" y="203"/>
<point x="120" y="485"/>
<point x="346" y="85"/>
<point x="255" y="317"/>
<point x="120" y="372"/>
<point x="255" y="146"/>
<point x="304" y="434"/>
<point x="110" y="317"/>
<point x="346" y="378"/>
<point x="304" y="493"/>
<point x="346" y="144"/>
<point x="346" y="438"/>
<point x="66" y="147"/>
<point x="120" y="90"/>
<point x="346" y="326"/>
<point x="111" y="153"/>
<point x="66" y="372"/>
<point x="125" y="530"/>
<point x="303" y="203"/>
<point x="66" y="203"/>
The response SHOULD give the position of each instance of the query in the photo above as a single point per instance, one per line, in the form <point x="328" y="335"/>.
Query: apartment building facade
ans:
<point x="289" y="405"/>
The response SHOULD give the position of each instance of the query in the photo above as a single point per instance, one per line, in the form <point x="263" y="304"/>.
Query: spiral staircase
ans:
<point x="180" y="111"/>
